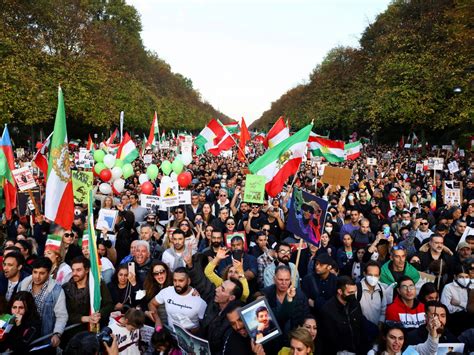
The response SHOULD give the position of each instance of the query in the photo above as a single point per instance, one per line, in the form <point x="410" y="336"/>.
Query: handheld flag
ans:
<point x="278" y="133"/>
<point x="127" y="150"/>
<point x="244" y="138"/>
<point x="94" y="271"/>
<point x="9" y="186"/>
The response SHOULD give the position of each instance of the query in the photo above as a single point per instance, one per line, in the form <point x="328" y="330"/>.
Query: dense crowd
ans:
<point x="391" y="271"/>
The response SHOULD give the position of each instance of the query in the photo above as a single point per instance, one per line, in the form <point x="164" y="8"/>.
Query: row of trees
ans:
<point x="94" y="50"/>
<point x="413" y="71"/>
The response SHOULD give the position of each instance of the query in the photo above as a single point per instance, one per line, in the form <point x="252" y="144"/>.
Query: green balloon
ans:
<point x="98" y="167"/>
<point x="166" y="167"/>
<point x="177" y="166"/>
<point x="152" y="171"/>
<point x="119" y="163"/>
<point x="99" y="155"/>
<point x="127" y="170"/>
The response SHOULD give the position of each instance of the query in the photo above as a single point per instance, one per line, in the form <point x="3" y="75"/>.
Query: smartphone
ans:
<point x="237" y="255"/>
<point x="386" y="231"/>
<point x="131" y="267"/>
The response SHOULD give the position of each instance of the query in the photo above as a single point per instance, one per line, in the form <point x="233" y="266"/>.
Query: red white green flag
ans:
<point x="59" y="202"/>
<point x="154" y="136"/>
<point x="352" y="150"/>
<point x="94" y="271"/>
<point x="282" y="161"/>
<point x="127" y="150"/>
<point x="214" y="138"/>
<point x="278" y="133"/>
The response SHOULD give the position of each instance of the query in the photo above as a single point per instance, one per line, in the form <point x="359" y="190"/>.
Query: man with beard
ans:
<point x="181" y="306"/>
<point x="173" y="257"/>
<point x="216" y="242"/>
<point x="283" y="258"/>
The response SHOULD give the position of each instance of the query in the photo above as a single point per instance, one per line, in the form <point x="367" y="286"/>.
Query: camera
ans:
<point x="105" y="336"/>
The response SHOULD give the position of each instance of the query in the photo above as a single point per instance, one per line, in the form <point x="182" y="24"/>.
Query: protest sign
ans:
<point x="337" y="176"/>
<point x="453" y="167"/>
<point x="191" y="344"/>
<point x="81" y="185"/>
<point x="84" y="159"/>
<point x="106" y="219"/>
<point x="26" y="207"/>
<point x="371" y="161"/>
<point x="165" y="145"/>
<point x="20" y="152"/>
<point x="254" y="189"/>
<point x="258" y="331"/>
<point x="184" y="197"/>
<point x="150" y="202"/>
<point x="187" y="149"/>
<point x="452" y="192"/>
<point x="24" y="179"/>
<point x="169" y="193"/>
<point x="435" y="163"/>
<point x="147" y="159"/>
<point x="306" y="216"/>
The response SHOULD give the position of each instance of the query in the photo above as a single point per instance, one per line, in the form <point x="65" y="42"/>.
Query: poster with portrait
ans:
<point x="260" y="322"/>
<point x="191" y="344"/>
<point x="306" y="216"/>
<point x="452" y="192"/>
<point x="24" y="179"/>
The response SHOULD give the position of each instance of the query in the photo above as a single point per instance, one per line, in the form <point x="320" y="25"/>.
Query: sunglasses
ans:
<point x="160" y="272"/>
<point x="398" y="247"/>
<point x="68" y="235"/>
<point x="184" y="225"/>
<point x="255" y="206"/>
<point x="230" y="223"/>
<point x="179" y="212"/>
<point x="424" y="223"/>
<point x="265" y="230"/>
<point x="284" y="252"/>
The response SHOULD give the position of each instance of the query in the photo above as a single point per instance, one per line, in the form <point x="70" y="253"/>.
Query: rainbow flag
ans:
<point x="433" y="200"/>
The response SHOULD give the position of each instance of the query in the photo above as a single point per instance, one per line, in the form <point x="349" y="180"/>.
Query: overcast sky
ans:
<point x="244" y="54"/>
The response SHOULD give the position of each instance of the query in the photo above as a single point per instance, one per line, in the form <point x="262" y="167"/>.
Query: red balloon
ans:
<point x="147" y="188"/>
<point x="184" y="179"/>
<point x="105" y="175"/>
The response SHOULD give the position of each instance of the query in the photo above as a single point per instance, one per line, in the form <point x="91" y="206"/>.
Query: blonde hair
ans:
<point x="302" y="334"/>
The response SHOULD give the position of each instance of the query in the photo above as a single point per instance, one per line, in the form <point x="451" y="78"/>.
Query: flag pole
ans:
<point x="298" y="255"/>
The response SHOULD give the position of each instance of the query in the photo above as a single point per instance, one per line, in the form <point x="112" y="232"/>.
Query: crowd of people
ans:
<point x="391" y="271"/>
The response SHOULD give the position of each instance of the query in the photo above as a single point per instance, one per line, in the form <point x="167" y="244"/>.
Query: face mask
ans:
<point x="350" y="197"/>
<point x="222" y="184"/>
<point x="224" y="176"/>
<point x="405" y="223"/>
<point x="350" y="298"/>
<point x="329" y="229"/>
<point x="464" y="282"/>
<point x="372" y="280"/>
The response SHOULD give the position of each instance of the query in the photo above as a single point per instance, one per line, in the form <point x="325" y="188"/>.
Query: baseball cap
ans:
<point x="393" y="189"/>
<point x="462" y="245"/>
<point x="325" y="259"/>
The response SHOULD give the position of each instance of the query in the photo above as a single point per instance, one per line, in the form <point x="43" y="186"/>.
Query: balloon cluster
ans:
<point x="113" y="172"/>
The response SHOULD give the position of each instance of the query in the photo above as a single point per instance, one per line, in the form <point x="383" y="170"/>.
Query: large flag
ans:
<point x="154" y="136"/>
<point x="41" y="156"/>
<point x="232" y="127"/>
<point x="282" y="161"/>
<point x="90" y="144"/>
<point x="127" y="150"/>
<point x="9" y="186"/>
<point x="94" y="271"/>
<point x="278" y="133"/>
<point x="109" y="142"/>
<point x="214" y="138"/>
<point x="352" y="150"/>
<point x="332" y="151"/>
<point x="244" y="138"/>
<point x="59" y="202"/>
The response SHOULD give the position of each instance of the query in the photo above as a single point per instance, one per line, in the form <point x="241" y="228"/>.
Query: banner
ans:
<point x="24" y="179"/>
<point x="453" y="167"/>
<point x="254" y="189"/>
<point x="306" y="216"/>
<point x="81" y="185"/>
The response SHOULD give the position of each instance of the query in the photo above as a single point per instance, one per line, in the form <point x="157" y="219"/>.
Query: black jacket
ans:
<point x="319" y="290"/>
<point x="419" y="336"/>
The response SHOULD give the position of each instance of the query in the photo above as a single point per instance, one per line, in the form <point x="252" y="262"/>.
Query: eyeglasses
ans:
<point x="284" y="252"/>
<point x="230" y="223"/>
<point x="407" y="287"/>
<point x="265" y="230"/>
<point x="159" y="272"/>
<point x="179" y="212"/>
<point x="255" y="206"/>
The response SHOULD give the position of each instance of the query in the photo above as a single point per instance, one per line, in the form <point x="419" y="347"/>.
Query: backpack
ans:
<point x="359" y="291"/>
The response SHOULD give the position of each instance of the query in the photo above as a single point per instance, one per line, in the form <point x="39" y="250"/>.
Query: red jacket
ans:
<point x="409" y="317"/>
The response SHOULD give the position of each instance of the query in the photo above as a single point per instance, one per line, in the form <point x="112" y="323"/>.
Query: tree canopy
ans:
<point x="413" y="71"/>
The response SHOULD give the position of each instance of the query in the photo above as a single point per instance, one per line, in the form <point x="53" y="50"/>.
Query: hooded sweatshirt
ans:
<point x="410" y="317"/>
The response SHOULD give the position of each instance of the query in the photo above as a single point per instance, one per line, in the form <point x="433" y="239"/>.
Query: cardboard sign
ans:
<point x="453" y="167"/>
<point x="147" y="159"/>
<point x="150" y="202"/>
<point x="452" y="192"/>
<point x="169" y="193"/>
<point x="106" y="219"/>
<point x="81" y="185"/>
<point x="435" y="163"/>
<point x="24" y="179"/>
<point x="337" y="176"/>
<point x="371" y="161"/>
<point x="84" y="159"/>
<point x="254" y="189"/>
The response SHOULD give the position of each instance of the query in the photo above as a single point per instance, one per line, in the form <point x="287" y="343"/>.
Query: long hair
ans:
<point x="151" y="286"/>
<point x="31" y="312"/>
<point x="386" y="328"/>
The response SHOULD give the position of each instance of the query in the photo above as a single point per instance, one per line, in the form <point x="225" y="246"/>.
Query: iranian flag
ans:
<point x="59" y="202"/>
<point x="278" y="133"/>
<point x="282" y="161"/>
<point x="154" y="136"/>
<point x="9" y="186"/>
<point x="90" y="144"/>
<point x="53" y="242"/>
<point x="94" y="271"/>
<point x="352" y="150"/>
<point x="109" y="142"/>
<point x="232" y="127"/>
<point x="214" y="138"/>
<point x="127" y="150"/>
<point x="332" y="151"/>
<point x="41" y="156"/>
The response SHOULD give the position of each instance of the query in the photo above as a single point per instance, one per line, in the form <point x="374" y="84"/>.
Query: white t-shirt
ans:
<point x="127" y="341"/>
<point x="184" y="310"/>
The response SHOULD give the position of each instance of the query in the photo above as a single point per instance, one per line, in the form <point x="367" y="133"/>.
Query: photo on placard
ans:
<point x="260" y="321"/>
<point x="191" y="344"/>
<point x="106" y="219"/>
<point x="450" y="348"/>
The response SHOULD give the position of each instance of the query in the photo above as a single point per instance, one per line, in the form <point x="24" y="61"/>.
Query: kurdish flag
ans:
<point x="59" y="202"/>
<point x="8" y="166"/>
<point x="127" y="150"/>
<point x="282" y="161"/>
<point x="232" y="127"/>
<point x="332" y="151"/>
<point x="94" y="271"/>
<point x="214" y="138"/>
<point x="352" y="150"/>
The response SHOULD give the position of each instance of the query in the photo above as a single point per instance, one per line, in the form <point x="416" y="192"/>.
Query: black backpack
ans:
<point x="359" y="291"/>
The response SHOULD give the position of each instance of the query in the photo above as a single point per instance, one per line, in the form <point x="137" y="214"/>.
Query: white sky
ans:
<point x="243" y="54"/>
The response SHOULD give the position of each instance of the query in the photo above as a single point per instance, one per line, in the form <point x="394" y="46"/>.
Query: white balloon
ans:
<point x="174" y="176"/>
<point x="116" y="172"/>
<point x="186" y="159"/>
<point x="119" y="185"/>
<point x="109" y="161"/>
<point x="143" y="178"/>
<point x="166" y="180"/>
<point x="105" y="188"/>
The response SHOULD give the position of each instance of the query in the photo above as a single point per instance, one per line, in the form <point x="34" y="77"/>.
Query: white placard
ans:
<point x="165" y="145"/>
<point x="147" y="159"/>
<point x="24" y="178"/>
<point x="84" y="159"/>
<point x="150" y="202"/>
<point x="452" y="192"/>
<point x="20" y="152"/>
<point x="435" y="163"/>
<point x="184" y="197"/>
<point x="169" y="193"/>
<point x="107" y="219"/>
<point x="453" y="167"/>
<point x="371" y="161"/>
<point x="419" y="167"/>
